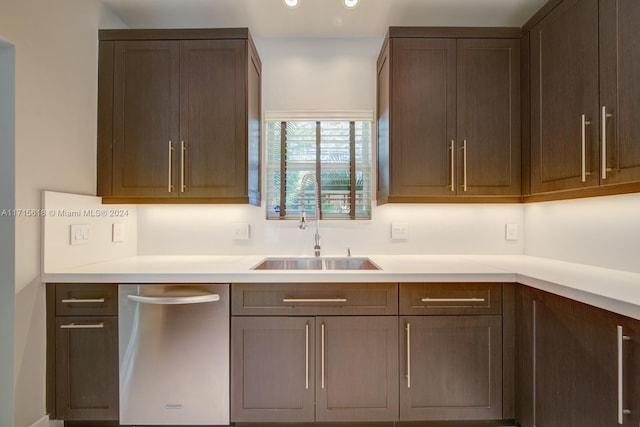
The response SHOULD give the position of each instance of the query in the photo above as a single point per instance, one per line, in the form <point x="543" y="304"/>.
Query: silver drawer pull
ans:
<point x="83" y="301"/>
<point x="83" y="326"/>
<point x="314" y="300"/>
<point x="427" y="299"/>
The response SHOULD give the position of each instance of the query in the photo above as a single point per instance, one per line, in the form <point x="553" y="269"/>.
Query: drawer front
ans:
<point x="278" y="299"/>
<point x="450" y="298"/>
<point x="86" y="299"/>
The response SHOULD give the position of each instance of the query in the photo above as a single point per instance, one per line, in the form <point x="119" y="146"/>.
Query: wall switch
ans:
<point x="511" y="232"/>
<point x="117" y="232"/>
<point x="79" y="234"/>
<point x="241" y="231"/>
<point x="400" y="231"/>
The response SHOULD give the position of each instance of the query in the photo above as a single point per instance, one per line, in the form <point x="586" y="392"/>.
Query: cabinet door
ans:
<point x="488" y="117"/>
<point x="272" y="377"/>
<point x="619" y="90"/>
<point x="451" y="368"/>
<point x="213" y="118"/>
<point x="145" y="118"/>
<point x="564" y="88"/>
<point x="575" y="364"/>
<point x="357" y="368"/>
<point x="423" y="118"/>
<point x="86" y="368"/>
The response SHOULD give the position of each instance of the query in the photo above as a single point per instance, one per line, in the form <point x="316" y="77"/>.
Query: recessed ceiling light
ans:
<point x="350" y="4"/>
<point x="291" y="3"/>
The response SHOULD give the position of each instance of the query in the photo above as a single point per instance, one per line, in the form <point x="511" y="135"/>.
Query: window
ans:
<point x="335" y="151"/>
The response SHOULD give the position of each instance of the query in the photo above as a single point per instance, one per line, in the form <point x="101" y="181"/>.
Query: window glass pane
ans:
<point x="327" y="146"/>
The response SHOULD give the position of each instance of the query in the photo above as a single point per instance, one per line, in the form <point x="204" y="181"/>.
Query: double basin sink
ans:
<point x="313" y="263"/>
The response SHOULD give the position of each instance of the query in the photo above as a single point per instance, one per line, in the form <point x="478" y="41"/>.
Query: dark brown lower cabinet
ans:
<point x="82" y="352"/>
<point x="87" y="368"/>
<point x="452" y="368"/>
<point x="356" y="368"/>
<point x="571" y="373"/>
<point x="305" y="369"/>
<point x="272" y="369"/>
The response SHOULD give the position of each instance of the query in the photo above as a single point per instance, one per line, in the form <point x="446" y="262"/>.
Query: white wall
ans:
<point x="602" y="231"/>
<point x="55" y="133"/>
<point x="7" y="229"/>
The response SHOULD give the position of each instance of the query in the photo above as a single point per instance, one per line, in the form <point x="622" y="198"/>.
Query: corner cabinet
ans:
<point x="449" y="115"/>
<point x="585" y="98"/>
<point x="82" y="352"/>
<point x="179" y="116"/>
<point x="578" y="365"/>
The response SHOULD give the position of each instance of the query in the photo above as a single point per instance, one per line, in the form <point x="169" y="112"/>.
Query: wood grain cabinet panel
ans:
<point x="273" y="369"/>
<point x="568" y="365"/>
<point x="82" y="352"/>
<point x="619" y="91"/>
<point x="179" y="116"/>
<point x="564" y="88"/>
<point x="451" y="368"/>
<point x="448" y="118"/>
<point x="585" y="60"/>
<point x="357" y="368"/>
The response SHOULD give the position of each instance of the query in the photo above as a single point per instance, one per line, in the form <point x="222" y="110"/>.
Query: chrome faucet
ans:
<point x="303" y="216"/>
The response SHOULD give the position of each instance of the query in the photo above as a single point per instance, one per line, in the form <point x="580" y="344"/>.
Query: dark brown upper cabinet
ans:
<point x="585" y="131"/>
<point x="179" y="116"/>
<point x="449" y="115"/>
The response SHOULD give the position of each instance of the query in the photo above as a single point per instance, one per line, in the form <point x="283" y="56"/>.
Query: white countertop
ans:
<point x="613" y="290"/>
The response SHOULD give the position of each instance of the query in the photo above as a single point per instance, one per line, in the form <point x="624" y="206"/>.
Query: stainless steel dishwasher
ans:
<point x="174" y="354"/>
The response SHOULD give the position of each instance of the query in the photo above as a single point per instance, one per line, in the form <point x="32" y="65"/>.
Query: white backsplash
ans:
<point x="433" y="229"/>
<point x="601" y="231"/>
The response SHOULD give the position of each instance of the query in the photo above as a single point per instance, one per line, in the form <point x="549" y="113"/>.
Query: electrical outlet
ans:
<point x="400" y="231"/>
<point x="511" y="232"/>
<point x="79" y="234"/>
<point x="241" y="231"/>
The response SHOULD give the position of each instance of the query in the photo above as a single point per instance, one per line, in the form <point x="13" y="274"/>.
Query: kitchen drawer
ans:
<point x="86" y="299"/>
<point x="450" y="298"/>
<point x="271" y="299"/>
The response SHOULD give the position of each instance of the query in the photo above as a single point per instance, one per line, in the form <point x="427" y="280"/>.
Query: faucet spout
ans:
<point x="303" y="217"/>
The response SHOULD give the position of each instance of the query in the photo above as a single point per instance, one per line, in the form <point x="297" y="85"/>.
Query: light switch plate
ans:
<point x="511" y="232"/>
<point x="117" y="232"/>
<point x="241" y="231"/>
<point x="79" y="234"/>
<point x="400" y="231"/>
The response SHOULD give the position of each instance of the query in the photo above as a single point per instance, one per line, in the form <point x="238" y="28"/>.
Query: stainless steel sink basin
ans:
<point x="338" y="263"/>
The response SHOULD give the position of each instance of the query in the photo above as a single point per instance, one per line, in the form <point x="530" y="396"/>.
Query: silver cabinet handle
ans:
<point x="408" y="328"/>
<point x="192" y="299"/>
<point x="314" y="300"/>
<point x="453" y="172"/>
<point x="322" y="355"/>
<point x="603" y="162"/>
<point x="464" y="165"/>
<point x="585" y="122"/>
<point x="183" y="150"/>
<point x="306" y="356"/>
<point x="621" y="411"/>
<point x="82" y="326"/>
<point x="170" y="185"/>
<point x="83" y="301"/>
<point x="427" y="299"/>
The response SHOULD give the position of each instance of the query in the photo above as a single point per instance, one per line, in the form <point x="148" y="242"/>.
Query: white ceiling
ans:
<point x="322" y="18"/>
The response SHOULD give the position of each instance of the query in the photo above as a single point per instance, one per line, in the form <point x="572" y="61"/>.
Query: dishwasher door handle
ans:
<point x="192" y="299"/>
